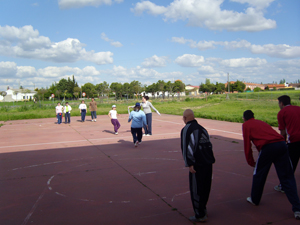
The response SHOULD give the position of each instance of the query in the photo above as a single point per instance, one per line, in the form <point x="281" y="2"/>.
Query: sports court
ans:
<point x="84" y="174"/>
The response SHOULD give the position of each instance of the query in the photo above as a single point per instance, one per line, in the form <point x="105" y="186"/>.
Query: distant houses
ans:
<point x="11" y="95"/>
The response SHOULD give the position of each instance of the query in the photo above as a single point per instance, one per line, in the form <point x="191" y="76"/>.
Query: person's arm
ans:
<point x="150" y="104"/>
<point x="55" y="110"/>
<point x="130" y="117"/>
<point x="247" y="147"/>
<point x="281" y="125"/>
<point x="109" y="115"/>
<point x="284" y="134"/>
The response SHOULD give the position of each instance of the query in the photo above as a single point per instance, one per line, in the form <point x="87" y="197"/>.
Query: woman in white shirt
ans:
<point x="114" y="120"/>
<point x="58" y="109"/>
<point x="82" y="108"/>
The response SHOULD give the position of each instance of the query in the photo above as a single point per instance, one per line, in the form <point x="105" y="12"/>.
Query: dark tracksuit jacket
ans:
<point x="197" y="151"/>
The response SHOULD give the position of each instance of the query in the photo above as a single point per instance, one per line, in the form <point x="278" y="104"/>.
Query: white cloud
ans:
<point x="244" y="62"/>
<point x="189" y="60"/>
<point x="25" y="42"/>
<point x="278" y="51"/>
<point x="208" y="13"/>
<point x="112" y="42"/>
<point x="155" y="61"/>
<point x="67" y="4"/>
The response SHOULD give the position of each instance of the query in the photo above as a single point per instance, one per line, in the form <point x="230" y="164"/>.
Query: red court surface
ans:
<point x="84" y="174"/>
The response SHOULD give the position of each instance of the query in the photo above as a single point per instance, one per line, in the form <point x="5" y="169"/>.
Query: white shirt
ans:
<point x="113" y="114"/>
<point x="82" y="106"/>
<point x="58" y="109"/>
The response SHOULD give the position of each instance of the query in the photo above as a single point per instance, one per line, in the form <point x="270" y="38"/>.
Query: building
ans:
<point x="276" y="86"/>
<point x="17" y="95"/>
<point x="193" y="90"/>
<point x="253" y="85"/>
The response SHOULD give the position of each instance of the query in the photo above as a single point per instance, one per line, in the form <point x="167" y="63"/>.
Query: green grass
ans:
<point x="216" y="107"/>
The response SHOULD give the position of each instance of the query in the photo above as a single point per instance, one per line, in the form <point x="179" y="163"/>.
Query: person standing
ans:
<point x="289" y="125"/>
<point x="67" y="112"/>
<point x="147" y="106"/>
<point x="198" y="156"/>
<point x="272" y="149"/>
<point x="82" y="108"/>
<point x="59" y="109"/>
<point x="113" y="118"/>
<point x="138" y="118"/>
<point x="93" y="109"/>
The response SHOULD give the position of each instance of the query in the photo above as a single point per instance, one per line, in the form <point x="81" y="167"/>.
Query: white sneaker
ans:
<point x="95" y="120"/>
<point x="136" y="143"/>
<point x="250" y="201"/>
<point x="144" y="134"/>
<point x="278" y="188"/>
<point x="116" y="133"/>
<point x="148" y="134"/>
<point x="297" y="215"/>
<point x="92" y="120"/>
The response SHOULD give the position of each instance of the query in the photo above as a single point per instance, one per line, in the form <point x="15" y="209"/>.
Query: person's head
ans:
<point x="93" y="99"/>
<point x="137" y="107"/>
<point x="283" y="101"/>
<point x="145" y="98"/>
<point x="114" y="107"/>
<point x="67" y="103"/>
<point x="82" y="101"/>
<point x="58" y="103"/>
<point x="188" y="115"/>
<point x="248" y="114"/>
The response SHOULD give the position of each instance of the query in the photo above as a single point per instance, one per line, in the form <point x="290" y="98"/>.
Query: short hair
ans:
<point x="58" y="103"/>
<point x="248" y="114"/>
<point x="285" y="99"/>
<point x="67" y="102"/>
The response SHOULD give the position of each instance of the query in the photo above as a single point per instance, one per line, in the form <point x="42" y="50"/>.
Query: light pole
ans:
<point x="227" y="97"/>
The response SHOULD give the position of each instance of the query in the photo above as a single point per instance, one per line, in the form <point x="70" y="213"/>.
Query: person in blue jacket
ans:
<point x="138" y="118"/>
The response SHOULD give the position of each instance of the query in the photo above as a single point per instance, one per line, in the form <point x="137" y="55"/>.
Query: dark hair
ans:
<point x="137" y="108"/>
<point x="285" y="99"/>
<point x="67" y="102"/>
<point x="146" y="97"/>
<point x="58" y="102"/>
<point x="248" y="114"/>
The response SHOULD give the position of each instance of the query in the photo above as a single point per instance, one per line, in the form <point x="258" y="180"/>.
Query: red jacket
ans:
<point x="260" y="133"/>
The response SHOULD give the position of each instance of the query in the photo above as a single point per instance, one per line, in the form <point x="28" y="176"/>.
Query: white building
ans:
<point x="17" y="95"/>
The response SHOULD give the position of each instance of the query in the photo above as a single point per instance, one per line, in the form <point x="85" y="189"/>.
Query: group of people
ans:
<point x="59" y="110"/>
<point x="282" y="150"/>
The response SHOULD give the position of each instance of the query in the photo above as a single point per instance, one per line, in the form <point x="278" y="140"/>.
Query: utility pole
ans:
<point x="227" y="97"/>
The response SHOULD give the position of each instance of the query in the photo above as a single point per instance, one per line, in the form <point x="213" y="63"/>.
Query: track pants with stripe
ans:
<point x="200" y="184"/>
<point x="276" y="153"/>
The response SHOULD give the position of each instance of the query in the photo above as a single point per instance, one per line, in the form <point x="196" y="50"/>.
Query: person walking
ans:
<point x="82" y="108"/>
<point x="147" y="106"/>
<point x="93" y="109"/>
<point x="59" y="109"/>
<point x="67" y="112"/>
<point x="272" y="149"/>
<point x="289" y="126"/>
<point x="138" y="118"/>
<point x="198" y="156"/>
<point x="113" y="118"/>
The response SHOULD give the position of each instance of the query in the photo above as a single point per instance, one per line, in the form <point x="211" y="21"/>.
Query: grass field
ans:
<point x="217" y="107"/>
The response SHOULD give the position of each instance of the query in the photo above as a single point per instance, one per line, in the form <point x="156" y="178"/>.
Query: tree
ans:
<point x="169" y="87"/>
<point x="151" y="89"/>
<point x="179" y="86"/>
<point x="135" y="87"/>
<point x="220" y="87"/>
<point x="207" y="87"/>
<point x="160" y="87"/>
<point x="42" y="92"/>
<point x="126" y="89"/>
<point x="238" y="86"/>
<point x="117" y="88"/>
<point x="3" y="93"/>
<point x="257" y="89"/>
<point x="89" y="89"/>
<point x="102" y="88"/>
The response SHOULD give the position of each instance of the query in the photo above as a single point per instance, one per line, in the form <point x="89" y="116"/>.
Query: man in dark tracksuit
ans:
<point x="272" y="149"/>
<point x="198" y="156"/>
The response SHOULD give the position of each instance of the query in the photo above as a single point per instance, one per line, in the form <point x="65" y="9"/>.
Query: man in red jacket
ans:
<point x="272" y="149"/>
<point x="289" y="125"/>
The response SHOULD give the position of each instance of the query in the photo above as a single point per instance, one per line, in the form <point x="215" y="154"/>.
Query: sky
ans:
<point x="43" y="41"/>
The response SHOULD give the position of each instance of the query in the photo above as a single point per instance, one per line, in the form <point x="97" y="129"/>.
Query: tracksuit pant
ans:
<point x="59" y="118"/>
<point x="116" y="124"/>
<point x="137" y="134"/>
<point x="149" y="123"/>
<point x="276" y="153"/>
<point x="83" y="113"/>
<point x="200" y="184"/>
<point x="294" y="152"/>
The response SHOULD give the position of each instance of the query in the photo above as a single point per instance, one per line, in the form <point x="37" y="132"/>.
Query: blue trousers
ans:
<point x="67" y="117"/>
<point x="94" y="115"/>
<point x="149" y="123"/>
<point x="276" y="153"/>
<point x="83" y="113"/>
<point x="59" y="117"/>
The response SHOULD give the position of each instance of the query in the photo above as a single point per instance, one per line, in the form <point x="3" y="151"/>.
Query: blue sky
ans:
<point x="44" y="41"/>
